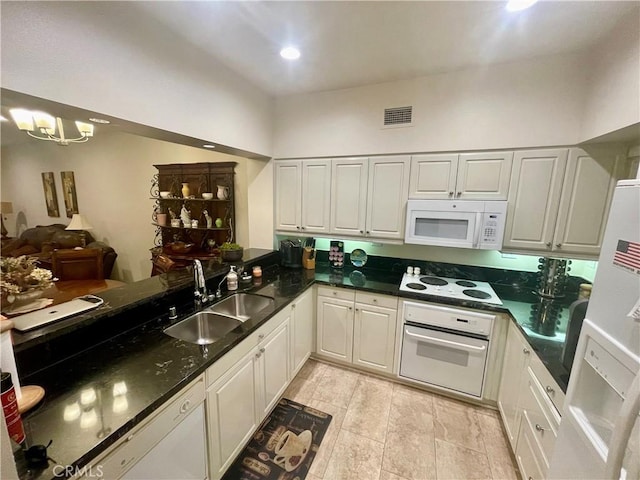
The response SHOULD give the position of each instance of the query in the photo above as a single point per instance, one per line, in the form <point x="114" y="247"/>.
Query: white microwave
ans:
<point x="456" y="223"/>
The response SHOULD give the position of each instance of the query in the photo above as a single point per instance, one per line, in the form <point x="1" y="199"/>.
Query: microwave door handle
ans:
<point x="478" y="228"/>
<point x="446" y="342"/>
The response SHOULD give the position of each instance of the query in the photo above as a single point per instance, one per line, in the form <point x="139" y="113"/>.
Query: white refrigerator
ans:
<point x="599" y="436"/>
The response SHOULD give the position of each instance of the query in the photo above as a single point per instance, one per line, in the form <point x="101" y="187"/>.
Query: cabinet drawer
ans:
<point x="549" y="385"/>
<point x="341" y="293"/>
<point x="528" y="454"/>
<point x="541" y="415"/>
<point x="145" y="437"/>
<point x="377" y="300"/>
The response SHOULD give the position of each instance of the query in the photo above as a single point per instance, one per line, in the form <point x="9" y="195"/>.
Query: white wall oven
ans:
<point x="445" y="347"/>
<point x="456" y="223"/>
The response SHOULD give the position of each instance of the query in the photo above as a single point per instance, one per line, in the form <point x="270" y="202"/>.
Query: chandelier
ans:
<point x="43" y="126"/>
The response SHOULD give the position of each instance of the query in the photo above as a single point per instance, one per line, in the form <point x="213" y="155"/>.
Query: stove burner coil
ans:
<point x="476" y="294"/>
<point x="434" y="281"/>
<point x="416" y="286"/>
<point x="466" y="283"/>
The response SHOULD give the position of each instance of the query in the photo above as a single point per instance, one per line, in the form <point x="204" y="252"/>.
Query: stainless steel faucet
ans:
<point x="200" y="293"/>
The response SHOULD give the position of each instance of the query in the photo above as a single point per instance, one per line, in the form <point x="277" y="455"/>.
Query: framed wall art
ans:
<point x="69" y="192"/>
<point x="50" y="194"/>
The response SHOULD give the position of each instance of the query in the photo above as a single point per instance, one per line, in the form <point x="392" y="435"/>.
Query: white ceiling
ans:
<point x="351" y="43"/>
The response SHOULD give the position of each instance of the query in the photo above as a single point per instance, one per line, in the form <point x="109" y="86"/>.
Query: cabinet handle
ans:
<point x="261" y="336"/>
<point x="451" y="194"/>
<point x="185" y="406"/>
<point x="375" y="300"/>
<point x="262" y="350"/>
<point x="258" y="355"/>
<point x="459" y="193"/>
<point x="530" y="478"/>
<point x="550" y="390"/>
<point x="301" y="228"/>
<point x="361" y="231"/>
<point x="293" y="305"/>
<point x="335" y="293"/>
<point x="368" y="232"/>
<point x="357" y="309"/>
<point x="129" y="438"/>
<point x="558" y="245"/>
<point x="539" y="428"/>
<point x="549" y="244"/>
<point x="526" y="351"/>
<point x="298" y="227"/>
<point x="350" y="308"/>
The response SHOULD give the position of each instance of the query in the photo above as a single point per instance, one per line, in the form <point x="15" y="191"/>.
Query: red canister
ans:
<point x="10" y="408"/>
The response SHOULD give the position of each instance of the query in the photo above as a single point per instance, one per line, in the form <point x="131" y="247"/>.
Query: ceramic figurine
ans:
<point x="185" y="216"/>
<point x="218" y="222"/>
<point x="208" y="218"/>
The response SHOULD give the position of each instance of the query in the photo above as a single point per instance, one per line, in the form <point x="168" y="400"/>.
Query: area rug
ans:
<point x="284" y="446"/>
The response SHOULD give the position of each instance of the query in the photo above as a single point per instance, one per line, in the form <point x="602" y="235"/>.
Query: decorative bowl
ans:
<point x="181" y="247"/>
<point x="165" y="194"/>
<point x="231" y="255"/>
<point x="207" y="195"/>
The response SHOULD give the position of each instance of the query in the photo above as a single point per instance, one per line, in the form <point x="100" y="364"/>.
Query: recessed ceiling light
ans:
<point x="290" y="53"/>
<point x="99" y="120"/>
<point x="208" y="145"/>
<point x="517" y="5"/>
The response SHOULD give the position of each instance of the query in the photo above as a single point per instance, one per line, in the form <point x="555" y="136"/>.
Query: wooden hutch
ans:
<point x="211" y="178"/>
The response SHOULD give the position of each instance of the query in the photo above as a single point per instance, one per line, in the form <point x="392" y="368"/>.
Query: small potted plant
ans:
<point x="22" y="281"/>
<point x="231" y="252"/>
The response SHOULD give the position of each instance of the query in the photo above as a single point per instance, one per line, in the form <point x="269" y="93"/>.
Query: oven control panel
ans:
<point x="449" y="318"/>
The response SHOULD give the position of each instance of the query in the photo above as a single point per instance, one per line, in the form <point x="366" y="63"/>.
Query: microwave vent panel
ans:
<point x="398" y="117"/>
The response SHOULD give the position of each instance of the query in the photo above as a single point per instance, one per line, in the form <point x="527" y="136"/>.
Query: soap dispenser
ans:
<point x="232" y="279"/>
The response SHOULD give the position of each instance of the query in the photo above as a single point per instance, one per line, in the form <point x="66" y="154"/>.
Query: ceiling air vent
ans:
<point x="398" y="116"/>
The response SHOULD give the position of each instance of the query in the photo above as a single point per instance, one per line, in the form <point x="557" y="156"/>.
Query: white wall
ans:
<point x="98" y="56"/>
<point x="613" y="95"/>
<point x="113" y="177"/>
<point x="525" y="104"/>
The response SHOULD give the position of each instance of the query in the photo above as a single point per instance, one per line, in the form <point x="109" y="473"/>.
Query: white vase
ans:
<point x="223" y="192"/>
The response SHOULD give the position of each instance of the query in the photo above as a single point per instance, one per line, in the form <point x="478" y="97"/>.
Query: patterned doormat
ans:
<point x="284" y="446"/>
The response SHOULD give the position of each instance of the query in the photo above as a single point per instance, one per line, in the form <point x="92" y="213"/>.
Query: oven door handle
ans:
<point x="446" y="342"/>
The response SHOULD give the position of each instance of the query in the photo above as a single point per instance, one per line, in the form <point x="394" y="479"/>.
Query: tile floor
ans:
<point x="386" y="431"/>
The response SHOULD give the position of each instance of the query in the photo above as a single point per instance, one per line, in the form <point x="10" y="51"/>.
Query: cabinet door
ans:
<point x="181" y="454"/>
<point x="484" y="176"/>
<point x="387" y="196"/>
<point x="527" y="454"/>
<point x="232" y="413"/>
<point x="288" y="187"/>
<point x="273" y="368"/>
<point x="335" y="328"/>
<point x="349" y="196"/>
<point x="534" y="196"/>
<point x="316" y="196"/>
<point x="374" y="335"/>
<point x="514" y="368"/>
<point x="433" y="177"/>
<point x="584" y="205"/>
<point x="302" y="329"/>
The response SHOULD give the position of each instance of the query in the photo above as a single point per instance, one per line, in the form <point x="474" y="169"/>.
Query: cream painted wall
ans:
<point x="526" y="104"/>
<point x="98" y="56"/>
<point x="113" y="177"/>
<point x="613" y="94"/>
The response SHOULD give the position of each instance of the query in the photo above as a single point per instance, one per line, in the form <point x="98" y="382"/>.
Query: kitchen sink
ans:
<point x="241" y="306"/>
<point x="203" y="328"/>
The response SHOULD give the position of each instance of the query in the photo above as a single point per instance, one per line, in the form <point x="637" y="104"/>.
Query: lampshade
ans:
<point x="6" y="207"/>
<point x="78" y="222"/>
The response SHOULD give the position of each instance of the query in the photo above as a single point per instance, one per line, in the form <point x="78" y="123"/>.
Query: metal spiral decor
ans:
<point x="157" y="240"/>
<point x="155" y="186"/>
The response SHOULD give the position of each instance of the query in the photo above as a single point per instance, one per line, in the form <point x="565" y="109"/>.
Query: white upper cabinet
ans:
<point x="586" y="197"/>
<point x="387" y="197"/>
<point x="534" y="194"/>
<point x="369" y="196"/>
<point x="468" y="176"/>
<point x="349" y="196"/>
<point x="559" y="200"/>
<point x="303" y="195"/>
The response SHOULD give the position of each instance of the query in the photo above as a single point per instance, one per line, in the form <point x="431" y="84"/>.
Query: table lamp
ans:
<point x="5" y="207"/>
<point x="78" y="222"/>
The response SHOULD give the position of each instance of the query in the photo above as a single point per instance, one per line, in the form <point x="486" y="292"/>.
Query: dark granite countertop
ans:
<point x="152" y="367"/>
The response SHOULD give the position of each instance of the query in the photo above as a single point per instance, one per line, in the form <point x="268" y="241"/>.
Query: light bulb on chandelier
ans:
<point x="45" y="125"/>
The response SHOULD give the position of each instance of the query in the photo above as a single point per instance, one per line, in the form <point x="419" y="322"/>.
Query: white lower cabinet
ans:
<point x="529" y="401"/>
<point x="171" y="444"/>
<point x="302" y="323"/>
<point x="244" y="385"/>
<point x="357" y="328"/>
